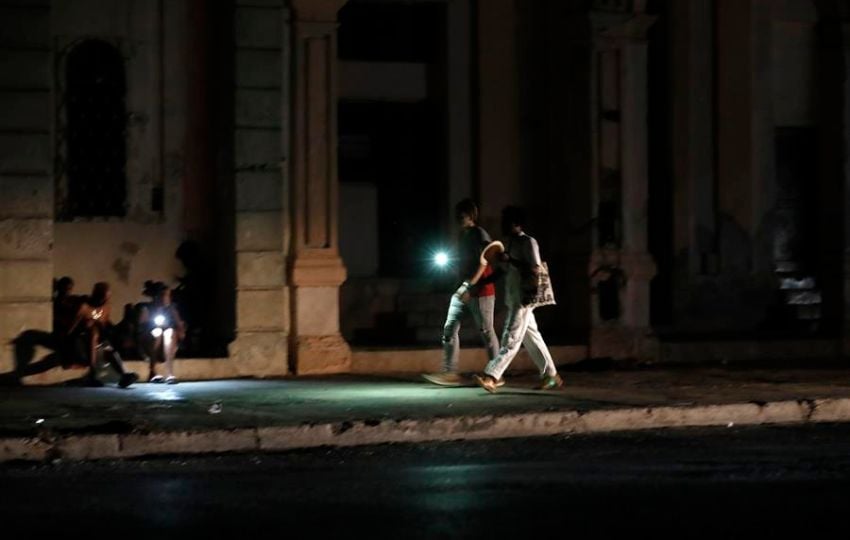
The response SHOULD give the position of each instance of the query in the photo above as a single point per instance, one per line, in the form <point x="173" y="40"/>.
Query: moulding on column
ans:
<point x="321" y="270"/>
<point x="317" y="10"/>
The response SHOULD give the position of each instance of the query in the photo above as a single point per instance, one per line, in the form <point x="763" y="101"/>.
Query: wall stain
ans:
<point x="122" y="267"/>
<point x="130" y="248"/>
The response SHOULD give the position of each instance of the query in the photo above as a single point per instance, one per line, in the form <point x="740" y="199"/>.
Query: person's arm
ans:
<point x="81" y="315"/>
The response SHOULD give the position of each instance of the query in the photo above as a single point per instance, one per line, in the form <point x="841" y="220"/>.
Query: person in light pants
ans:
<point x="522" y="259"/>
<point x="479" y="301"/>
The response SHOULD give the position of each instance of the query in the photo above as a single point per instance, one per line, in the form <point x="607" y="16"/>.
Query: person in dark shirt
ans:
<point x="479" y="301"/>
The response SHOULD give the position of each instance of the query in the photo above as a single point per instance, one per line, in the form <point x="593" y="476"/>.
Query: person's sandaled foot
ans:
<point x="171" y="379"/>
<point x="551" y="382"/>
<point x="156" y="379"/>
<point x="487" y="383"/>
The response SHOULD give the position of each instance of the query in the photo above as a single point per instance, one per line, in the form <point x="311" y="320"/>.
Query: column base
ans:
<point x="621" y="343"/>
<point x="260" y="354"/>
<point x="321" y="355"/>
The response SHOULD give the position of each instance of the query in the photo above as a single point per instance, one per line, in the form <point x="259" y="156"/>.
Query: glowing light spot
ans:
<point x="441" y="259"/>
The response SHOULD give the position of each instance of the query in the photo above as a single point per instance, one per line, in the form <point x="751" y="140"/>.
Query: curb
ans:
<point x="367" y="432"/>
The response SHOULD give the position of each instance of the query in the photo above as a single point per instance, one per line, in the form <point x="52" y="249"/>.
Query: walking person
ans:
<point x="477" y="300"/>
<point x="522" y="266"/>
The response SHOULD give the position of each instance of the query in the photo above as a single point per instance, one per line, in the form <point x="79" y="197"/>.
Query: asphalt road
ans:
<point x="719" y="483"/>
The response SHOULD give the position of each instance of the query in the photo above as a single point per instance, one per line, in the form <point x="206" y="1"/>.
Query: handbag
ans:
<point x="540" y="291"/>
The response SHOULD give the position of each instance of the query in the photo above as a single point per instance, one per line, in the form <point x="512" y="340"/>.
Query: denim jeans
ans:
<point x="482" y="309"/>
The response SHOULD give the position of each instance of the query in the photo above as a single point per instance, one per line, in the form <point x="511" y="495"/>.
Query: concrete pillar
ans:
<point x="259" y="153"/>
<point x="458" y="67"/>
<point x="834" y="124"/>
<point x="26" y="181"/>
<point x="693" y="144"/>
<point x="498" y="110"/>
<point x="745" y="130"/>
<point x="623" y="181"/>
<point x="315" y="266"/>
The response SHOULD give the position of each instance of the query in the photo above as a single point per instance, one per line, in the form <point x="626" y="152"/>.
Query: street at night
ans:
<point x="722" y="483"/>
<point x="425" y="269"/>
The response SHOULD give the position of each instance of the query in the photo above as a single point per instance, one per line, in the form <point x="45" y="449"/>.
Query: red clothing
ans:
<point x="488" y="289"/>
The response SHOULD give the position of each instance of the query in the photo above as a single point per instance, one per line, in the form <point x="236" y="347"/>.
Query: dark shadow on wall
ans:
<point x="26" y="346"/>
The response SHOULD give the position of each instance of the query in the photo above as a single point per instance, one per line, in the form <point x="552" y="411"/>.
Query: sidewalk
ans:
<point x="38" y="423"/>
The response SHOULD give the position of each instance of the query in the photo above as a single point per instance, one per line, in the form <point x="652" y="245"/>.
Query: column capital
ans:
<point x="316" y="10"/>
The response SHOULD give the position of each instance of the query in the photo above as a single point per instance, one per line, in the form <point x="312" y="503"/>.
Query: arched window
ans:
<point x="95" y="133"/>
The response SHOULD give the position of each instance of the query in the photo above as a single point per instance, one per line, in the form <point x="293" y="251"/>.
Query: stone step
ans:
<point x="801" y="297"/>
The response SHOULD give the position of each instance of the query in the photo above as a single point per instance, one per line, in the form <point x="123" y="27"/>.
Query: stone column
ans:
<point x="834" y="124"/>
<point x="623" y="186"/>
<point x="262" y="297"/>
<point x="315" y="267"/>
<point x="745" y="157"/>
<point x="26" y="182"/>
<point x="458" y="67"/>
<point x="693" y="144"/>
<point x="498" y="129"/>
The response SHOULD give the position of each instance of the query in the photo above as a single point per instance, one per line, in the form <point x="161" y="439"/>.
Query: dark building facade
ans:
<point x="683" y="162"/>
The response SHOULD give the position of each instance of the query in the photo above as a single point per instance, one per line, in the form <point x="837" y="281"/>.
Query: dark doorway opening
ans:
<point x="397" y="147"/>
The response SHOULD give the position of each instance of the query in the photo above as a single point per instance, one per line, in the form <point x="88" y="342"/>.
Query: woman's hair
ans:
<point x="99" y="294"/>
<point x="467" y="207"/>
<point x="154" y="288"/>
<point x="513" y="215"/>
<point x="63" y="285"/>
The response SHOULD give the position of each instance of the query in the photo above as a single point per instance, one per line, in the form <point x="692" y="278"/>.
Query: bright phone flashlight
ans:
<point x="159" y="320"/>
<point x="441" y="259"/>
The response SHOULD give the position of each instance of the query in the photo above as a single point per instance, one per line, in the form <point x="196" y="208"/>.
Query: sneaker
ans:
<point x="444" y="379"/>
<point x="171" y="379"/>
<point x="550" y="382"/>
<point x="127" y="379"/>
<point x="487" y="383"/>
<point x="157" y="379"/>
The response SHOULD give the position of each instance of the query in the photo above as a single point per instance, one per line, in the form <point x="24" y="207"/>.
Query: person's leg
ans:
<point x="450" y="336"/>
<point x="170" y="351"/>
<point x="114" y="359"/>
<point x="117" y="364"/>
<point x="451" y="346"/>
<point x="92" y="339"/>
<point x="515" y="325"/>
<point x="150" y="347"/>
<point x="537" y="349"/>
<point x="482" y="309"/>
